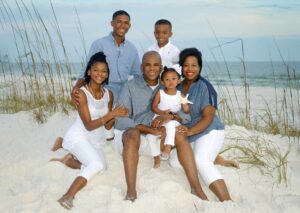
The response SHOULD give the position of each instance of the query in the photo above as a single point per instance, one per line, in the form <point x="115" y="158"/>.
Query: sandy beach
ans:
<point x="30" y="183"/>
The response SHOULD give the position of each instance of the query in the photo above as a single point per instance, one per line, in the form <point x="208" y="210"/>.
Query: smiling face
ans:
<point x="191" y="68"/>
<point x="162" y="34"/>
<point x="121" y="25"/>
<point x="151" y="67"/>
<point x="98" y="73"/>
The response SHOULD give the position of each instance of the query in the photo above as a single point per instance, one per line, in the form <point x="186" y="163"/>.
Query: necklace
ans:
<point x="95" y="95"/>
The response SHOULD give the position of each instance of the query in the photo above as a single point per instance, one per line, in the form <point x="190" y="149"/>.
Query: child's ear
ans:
<point x="171" y="33"/>
<point x="89" y="72"/>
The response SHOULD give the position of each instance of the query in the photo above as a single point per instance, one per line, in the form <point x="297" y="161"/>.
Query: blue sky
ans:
<point x="262" y="25"/>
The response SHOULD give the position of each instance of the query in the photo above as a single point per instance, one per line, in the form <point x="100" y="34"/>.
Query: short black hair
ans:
<point x="190" y="52"/>
<point x="151" y="52"/>
<point x="163" y="21"/>
<point x="120" y="12"/>
<point x="97" y="57"/>
<point x="166" y="70"/>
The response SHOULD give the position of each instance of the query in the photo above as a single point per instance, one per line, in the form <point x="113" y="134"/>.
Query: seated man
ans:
<point x="136" y="96"/>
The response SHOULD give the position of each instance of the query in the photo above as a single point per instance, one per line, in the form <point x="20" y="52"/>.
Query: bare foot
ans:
<point x="131" y="196"/>
<point x="132" y="199"/>
<point x="110" y="139"/>
<point x="57" y="144"/>
<point x="66" y="202"/>
<point x="231" y="163"/>
<point x="69" y="161"/>
<point x="228" y="163"/>
<point x="199" y="193"/>
<point x="156" y="162"/>
<point x="165" y="154"/>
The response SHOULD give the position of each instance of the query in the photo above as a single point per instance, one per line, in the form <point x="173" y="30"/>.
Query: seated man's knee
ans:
<point x="131" y="137"/>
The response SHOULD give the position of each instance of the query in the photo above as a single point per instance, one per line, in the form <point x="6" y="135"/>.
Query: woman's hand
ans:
<point x="183" y="130"/>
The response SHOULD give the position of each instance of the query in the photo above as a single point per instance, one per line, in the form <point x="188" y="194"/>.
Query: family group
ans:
<point x="160" y="106"/>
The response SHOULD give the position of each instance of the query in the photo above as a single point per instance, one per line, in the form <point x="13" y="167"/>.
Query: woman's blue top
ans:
<point x="202" y="94"/>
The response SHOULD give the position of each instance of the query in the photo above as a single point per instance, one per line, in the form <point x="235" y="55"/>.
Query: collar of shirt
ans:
<point x="164" y="47"/>
<point x="141" y="81"/>
<point x="113" y="39"/>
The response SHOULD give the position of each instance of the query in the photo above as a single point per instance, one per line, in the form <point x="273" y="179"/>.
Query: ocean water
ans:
<point x="262" y="74"/>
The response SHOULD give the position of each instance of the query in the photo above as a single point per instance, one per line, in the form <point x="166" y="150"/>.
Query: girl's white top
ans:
<point x="78" y="132"/>
<point x="171" y="102"/>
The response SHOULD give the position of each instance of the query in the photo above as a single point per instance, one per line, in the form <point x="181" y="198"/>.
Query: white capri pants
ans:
<point x="170" y="132"/>
<point x="206" y="149"/>
<point x="154" y="140"/>
<point x="92" y="160"/>
<point x="149" y="146"/>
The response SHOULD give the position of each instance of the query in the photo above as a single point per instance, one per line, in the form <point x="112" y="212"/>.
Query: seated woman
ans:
<point x="205" y="130"/>
<point x="83" y="138"/>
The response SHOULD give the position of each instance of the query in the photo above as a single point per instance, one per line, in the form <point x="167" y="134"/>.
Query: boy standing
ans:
<point x="121" y="55"/>
<point x="168" y="52"/>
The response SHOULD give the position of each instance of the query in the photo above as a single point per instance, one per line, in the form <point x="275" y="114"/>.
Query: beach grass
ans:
<point x="259" y="152"/>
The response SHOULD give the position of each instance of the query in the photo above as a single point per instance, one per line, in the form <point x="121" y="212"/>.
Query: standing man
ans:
<point x="121" y="55"/>
<point x="136" y="96"/>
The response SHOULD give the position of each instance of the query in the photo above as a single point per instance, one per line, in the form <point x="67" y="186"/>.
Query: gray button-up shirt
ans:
<point x="137" y="97"/>
<point x="123" y="60"/>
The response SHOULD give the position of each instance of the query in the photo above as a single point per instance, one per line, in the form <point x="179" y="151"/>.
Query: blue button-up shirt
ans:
<point x="201" y="96"/>
<point x="123" y="60"/>
<point x="137" y="97"/>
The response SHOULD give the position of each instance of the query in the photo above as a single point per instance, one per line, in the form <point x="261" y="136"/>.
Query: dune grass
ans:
<point x="37" y="79"/>
<point x="40" y="81"/>
<point x="257" y="151"/>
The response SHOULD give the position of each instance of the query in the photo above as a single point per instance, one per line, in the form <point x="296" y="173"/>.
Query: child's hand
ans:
<point x="184" y="100"/>
<point x="119" y="111"/>
<point x="166" y="112"/>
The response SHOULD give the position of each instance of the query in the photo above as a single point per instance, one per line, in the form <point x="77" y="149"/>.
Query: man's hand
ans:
<point x="160" y="120"/>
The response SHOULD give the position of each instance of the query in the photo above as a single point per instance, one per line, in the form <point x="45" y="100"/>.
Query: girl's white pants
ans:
<point x="92" y="159"/>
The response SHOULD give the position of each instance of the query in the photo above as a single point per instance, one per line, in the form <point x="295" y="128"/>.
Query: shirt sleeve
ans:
<point x="204" y="97"/>
<point x="93" y="49"/>
<point x="175" y="58"/>
<point x="125" y="99"/>
<point x="136" y="69"/>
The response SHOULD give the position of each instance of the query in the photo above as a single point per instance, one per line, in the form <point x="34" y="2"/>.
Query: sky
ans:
<point x="269" y="29"/>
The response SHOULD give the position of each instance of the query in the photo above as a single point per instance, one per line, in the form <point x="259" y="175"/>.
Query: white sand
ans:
<point x="29" y="183"/>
